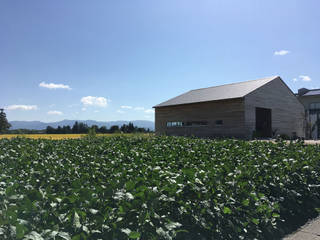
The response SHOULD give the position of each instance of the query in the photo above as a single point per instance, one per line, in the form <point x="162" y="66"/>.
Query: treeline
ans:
<point x="25" y="131"/>
<point x="84" y="128"/>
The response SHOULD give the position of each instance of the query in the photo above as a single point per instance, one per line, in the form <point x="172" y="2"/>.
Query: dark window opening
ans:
<point x="219" y="122"/>
<point x="196" y="123"/>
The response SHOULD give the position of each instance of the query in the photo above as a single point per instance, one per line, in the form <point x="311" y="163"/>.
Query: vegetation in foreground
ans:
<point x="155" y="188"/>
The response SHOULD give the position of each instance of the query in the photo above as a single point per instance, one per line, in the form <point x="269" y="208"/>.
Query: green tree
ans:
<point x="103" y="129"/>
<point x="50" y="130"/>
<point x="4" y="124"/>
<point x="114" y="129"/>
<point x="131" y="128"/>
<point x="75" y="128"/>
<point x="83" y="128"/>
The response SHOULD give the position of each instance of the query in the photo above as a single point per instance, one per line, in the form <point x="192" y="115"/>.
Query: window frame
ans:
<point x="218" y="122"/>
<point x="171" y="124"/>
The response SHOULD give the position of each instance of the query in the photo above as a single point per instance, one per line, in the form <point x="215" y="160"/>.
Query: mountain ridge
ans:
<point x="38" y="125"/>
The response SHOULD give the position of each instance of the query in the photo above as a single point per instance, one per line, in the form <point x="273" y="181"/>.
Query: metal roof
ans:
<point x="312" y="92"/>
<point x="228" y="91"/>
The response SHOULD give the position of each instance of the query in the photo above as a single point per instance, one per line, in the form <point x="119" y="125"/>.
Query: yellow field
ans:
<point x="64" y="136"/>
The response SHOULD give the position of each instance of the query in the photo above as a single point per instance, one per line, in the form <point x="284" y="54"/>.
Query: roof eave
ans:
<point x="218" y="100"/>
<point x="309" y="95"/>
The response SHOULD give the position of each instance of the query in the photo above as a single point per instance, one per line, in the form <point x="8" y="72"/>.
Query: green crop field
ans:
<point x="155" y="188"/>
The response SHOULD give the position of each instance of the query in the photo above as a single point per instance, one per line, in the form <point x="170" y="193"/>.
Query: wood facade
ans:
<point x="235" y="117"/>
<point x="287" y="112"/>
<point x="231" y="112"/>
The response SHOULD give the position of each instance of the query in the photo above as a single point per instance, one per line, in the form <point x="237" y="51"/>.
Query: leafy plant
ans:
<point x="155" y="188"/>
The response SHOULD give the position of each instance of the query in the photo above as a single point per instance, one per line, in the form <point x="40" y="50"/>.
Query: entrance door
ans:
<point x="263" y="122"/>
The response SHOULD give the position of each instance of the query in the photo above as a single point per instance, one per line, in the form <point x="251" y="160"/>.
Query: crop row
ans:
<point x="155" y="188"/>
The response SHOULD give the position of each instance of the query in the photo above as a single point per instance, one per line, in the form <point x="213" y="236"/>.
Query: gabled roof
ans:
<point x="228" y="91"/>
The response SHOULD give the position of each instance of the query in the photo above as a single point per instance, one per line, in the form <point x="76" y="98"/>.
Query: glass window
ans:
<point x="315" y="106"/>
<point x="188" y="124"/>
<point x="174" y="124"/>
<point x="196" y="123"/>
<point x="219" y="122"/>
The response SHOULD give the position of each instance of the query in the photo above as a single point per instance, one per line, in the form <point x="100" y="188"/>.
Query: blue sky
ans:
<point x="114" y="60"/>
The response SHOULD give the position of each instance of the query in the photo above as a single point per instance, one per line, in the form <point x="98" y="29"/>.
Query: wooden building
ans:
<point x="259" y="108"/>
<point x="311" y="102"/>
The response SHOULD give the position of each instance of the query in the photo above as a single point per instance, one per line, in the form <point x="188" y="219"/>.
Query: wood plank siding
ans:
<point x="279" y="110"/>
<point x="231" y="112"/>
<point x="287" y="111"/>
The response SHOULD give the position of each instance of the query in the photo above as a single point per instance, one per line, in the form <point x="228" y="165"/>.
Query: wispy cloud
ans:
<point x="139" y="108"/>
<point x="295" y="80"/>
<point x="22" y="107"/>
<point x="54" y="86"/>
<point x="54" y="112"/>
<point x="149" y="111"/>
<point x="281" y="52"/>
<point x="126" y="107"/>
<point x="94" y="101"/>
<point x="305" y="78"/>
<point x="120" y="111"/>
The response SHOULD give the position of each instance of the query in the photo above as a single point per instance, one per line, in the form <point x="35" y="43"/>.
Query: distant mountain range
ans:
<point x="37" y="125"/>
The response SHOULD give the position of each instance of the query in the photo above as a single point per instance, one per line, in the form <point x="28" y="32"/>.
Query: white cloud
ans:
<point x="126" y="107"/>
<point x="147" y="116"/>
<point x="139" y="108"/>
<point x="281" y="52"/>
<point x="149" y="111"/>
<point x="120" y="111"/>
<point x="305" y="78"/>
<point x="94" y="101"/>
<point x="96" y="111"/>
<point x="83" y="109"/>
<point x="54" y="86"/>
<point x="22" y="107"/>
<point x="295" y="80"/>
<point x="55" y="112"/>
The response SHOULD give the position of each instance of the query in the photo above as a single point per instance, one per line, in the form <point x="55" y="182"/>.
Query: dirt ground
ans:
<point x="312" y="141"/>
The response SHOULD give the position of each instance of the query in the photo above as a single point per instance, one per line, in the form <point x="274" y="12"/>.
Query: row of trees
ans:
<point x="80" y="127"/>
